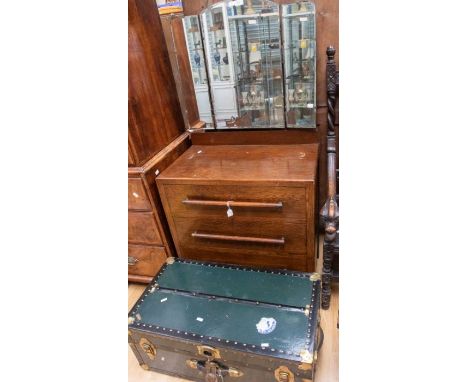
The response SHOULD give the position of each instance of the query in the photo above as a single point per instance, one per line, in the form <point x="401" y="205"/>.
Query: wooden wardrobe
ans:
<point x="156" y="137"/>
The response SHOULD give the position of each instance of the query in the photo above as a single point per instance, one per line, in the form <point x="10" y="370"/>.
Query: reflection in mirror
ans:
<point x="220" y="66"/>
<point x="193" y="38"/>
<point x="253" y="64"/>
<point x="256" y="47"/>
<point x="299" y="63"/>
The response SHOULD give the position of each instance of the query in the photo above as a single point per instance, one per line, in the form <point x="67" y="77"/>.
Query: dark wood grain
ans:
<point x="156" y="136"/>
<point x="131" y="159"/>
<point x="194" y="7"/>
<point x="241" y="197"/>
<point x="145" y="260"/>
<point x="139" y="279"/>
<point x="155" y="118"/>
<point x="293" y="234"/>
<point x="173" y="28"/>
<point x="148" y="173"/>
<point x="142" y="228"/>
<point x="137" y="197"/>
<point x="330" y="213"/>
<point x="279" y="175"/>
<point x="253" y="258"/>
<point x="256" y="137"/>
<point x="237" y="163"/>
<point x="327" y="17"/>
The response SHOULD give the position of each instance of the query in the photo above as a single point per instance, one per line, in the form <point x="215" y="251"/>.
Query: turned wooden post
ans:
<point x="329" y="213"/>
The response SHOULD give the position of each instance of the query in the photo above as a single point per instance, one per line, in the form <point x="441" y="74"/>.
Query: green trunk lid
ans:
<point x="237" y="282"/>
<point x="256" y="310"/>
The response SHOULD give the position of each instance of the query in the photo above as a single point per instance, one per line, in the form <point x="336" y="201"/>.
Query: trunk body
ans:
<point x="210" y="322"/>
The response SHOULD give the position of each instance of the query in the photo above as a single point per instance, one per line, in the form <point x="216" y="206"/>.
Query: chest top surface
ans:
<point x="259" y="310"/>
<point x="249" y="163"/>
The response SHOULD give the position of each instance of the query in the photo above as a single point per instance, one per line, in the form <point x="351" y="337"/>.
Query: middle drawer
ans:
<point x="273" y="202"/>
<point x="142" y="228"/>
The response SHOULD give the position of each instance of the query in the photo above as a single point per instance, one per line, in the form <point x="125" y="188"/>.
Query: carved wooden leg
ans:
<point x="327" y="274"/>
<point x="329" y="212"/>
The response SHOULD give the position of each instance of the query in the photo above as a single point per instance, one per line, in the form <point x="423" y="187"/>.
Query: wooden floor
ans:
<point x="327" y="368"/>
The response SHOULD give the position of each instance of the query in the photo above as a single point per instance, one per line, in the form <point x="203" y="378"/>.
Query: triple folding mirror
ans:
<point x="253" y="64"/>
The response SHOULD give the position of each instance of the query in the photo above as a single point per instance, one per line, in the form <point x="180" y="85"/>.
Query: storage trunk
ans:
<point x="212" y="322"/>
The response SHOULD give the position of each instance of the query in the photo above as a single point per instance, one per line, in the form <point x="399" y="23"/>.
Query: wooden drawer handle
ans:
<point x="232" y="203"/>
<point x="262" y="240"/>
<point x="132" y="260"/>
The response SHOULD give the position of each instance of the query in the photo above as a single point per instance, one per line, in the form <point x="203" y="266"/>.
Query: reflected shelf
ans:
<point x="253" y="16"/>
<point x="299" y="14"/>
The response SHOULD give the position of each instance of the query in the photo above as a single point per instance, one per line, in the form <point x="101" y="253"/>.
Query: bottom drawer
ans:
<point x="246" y="258"/>
<point x="145" y="260"/>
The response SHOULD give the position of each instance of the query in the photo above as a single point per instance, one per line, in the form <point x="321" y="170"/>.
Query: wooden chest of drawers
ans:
<point x="149" y="239"/>
<point x="251" y="205"/>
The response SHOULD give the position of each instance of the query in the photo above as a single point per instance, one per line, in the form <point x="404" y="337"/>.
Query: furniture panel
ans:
<point x="275" y="237"/>
<point x="145" y="260"/>
<point x="151" y="227"/>
<point x="250" y="258"/>
<point x="156" y="131"/>
<point x="271" y="195"/>
<point x="268" y="164"/>
<point x="142" y="228"/>
<point x="154" y="114"/>
<point x="173" y="27"/>
<point x="137" y="197"/>
<point x="244" y="201"/>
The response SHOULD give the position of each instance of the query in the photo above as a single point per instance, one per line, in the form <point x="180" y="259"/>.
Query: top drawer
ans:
<point x="137" y="198"/>
<point x="249" y="201"/>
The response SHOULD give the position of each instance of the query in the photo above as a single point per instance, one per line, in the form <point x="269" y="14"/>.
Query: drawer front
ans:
<point x="242" y="234"/>
<point x="145" y="261"/>
<point x="142" y="228"/>
<point x="137" y="198"/>
<point x="246" y="258"/>
<point x="274" y="202"/>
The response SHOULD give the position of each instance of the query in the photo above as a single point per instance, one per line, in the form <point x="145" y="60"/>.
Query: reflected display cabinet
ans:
<point x="220" y="66"/>
<point x="256" y="48"/>
<point x="260" y="59"/>
<point x="194" y="41"/>
<point x="299" y="63"/>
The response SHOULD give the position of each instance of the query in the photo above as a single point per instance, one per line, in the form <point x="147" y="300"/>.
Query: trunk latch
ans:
<point x="283" y="374"/>
<point x="148" y="348"/>
<point x="215" y="371"/>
